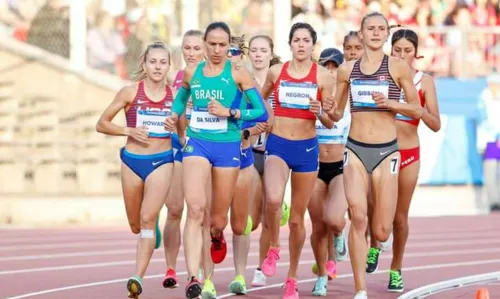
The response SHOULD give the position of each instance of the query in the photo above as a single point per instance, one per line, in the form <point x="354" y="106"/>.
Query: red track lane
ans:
<point x="40" y="260"/>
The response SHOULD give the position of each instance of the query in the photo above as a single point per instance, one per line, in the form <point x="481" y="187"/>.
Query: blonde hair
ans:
<point x="140" y="73"/>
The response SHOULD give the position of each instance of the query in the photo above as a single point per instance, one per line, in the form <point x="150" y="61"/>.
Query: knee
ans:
<point x="318" y="228"/>
<point x="255" y="223"/>
<point x="135" y="228"/>
<point x="196" y="212"/>
<point x="296" y="222"/>
<point x="335" y="224"/>
<point x="381" y="232"/>
<point x="400" y="221"/>
<point x="219" y="222"/>
<point x="148" y="219"/>
<point x="273" y="204"/>
<point x="175" y="213"/>
<point x="359" y="218"/>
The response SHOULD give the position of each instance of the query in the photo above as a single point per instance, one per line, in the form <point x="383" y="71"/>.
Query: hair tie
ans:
<point x="419" y="57"/>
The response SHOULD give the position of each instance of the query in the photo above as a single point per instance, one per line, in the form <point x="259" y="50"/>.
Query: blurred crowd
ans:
<point x="453" y="33"/>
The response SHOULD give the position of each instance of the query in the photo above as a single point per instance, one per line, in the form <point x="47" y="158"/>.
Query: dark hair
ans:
<point x="139" y="74"/>
<point x="374" y="14"/>
<point x="240" y="42"/>
<point x="407" y="34"/>
<point x="306" y="26"/>
<point x="276" y="59"/>
<point x="217" y="25"/>
<point x="349" y="36"/>
<point x="198" y="33"/>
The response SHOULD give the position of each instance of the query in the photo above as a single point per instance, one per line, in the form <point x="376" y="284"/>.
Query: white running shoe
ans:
<point x="361" y="295"/>
<point x="386" y="246"/>
<point x="259" y="279"/>
<point x="341" y="251"/>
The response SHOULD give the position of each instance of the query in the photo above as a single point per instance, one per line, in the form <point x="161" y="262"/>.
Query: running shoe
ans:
<point x="259" y="279"/>
<point x="238" y="286"/>
<point x="331" y="270"/>
<point x="134" y="287"/>
<point x="269" y="265"/>
<point x="218" y="249"/>
<point x="158" y="233"/>
<point x="170" y="279"/>
<point x="285" y="214"/>
<point x="315" y="269"/>
<point x="385" y="246"/>
<point x="372" y="260"/>
<point x="341" y="251"/>
<point x="396" y="284"/>
<point x="321" y="286"/>
<point x="361" y="295"/>
<point x="193" y="289"/>
<point x="291" y="289"/>
<point x="248" y="229"/>
<point x="208" y="291"/>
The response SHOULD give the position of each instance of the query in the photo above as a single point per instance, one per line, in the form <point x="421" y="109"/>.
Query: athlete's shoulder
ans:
<point x="189" y="70"/>
<point x="275" y="70"/>
<point x="128" y="92"/>
<point x="345" y="69"/>
<point x="427" y="81"/>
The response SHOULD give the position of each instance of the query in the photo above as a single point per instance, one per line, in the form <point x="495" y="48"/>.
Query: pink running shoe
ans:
<point x="170" y="279"/>
<point x="269" y="265"/>
<point x="331" y="270"/>
<point x="291" y="289"/>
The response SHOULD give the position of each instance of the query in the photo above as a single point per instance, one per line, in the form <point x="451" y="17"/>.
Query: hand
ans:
<point x="170" y="122"/>
<point x="217" y="109"/>
<point x="380" y="100"/>
<point x="139" y="134"/>
<point x="315" y="106"/>
<point x="261" y="127"/>
<point x="329" y="105"/>
<point x="182" y="140"/>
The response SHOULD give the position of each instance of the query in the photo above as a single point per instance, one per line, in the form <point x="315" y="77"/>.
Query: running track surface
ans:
<point x="95" y="262"/>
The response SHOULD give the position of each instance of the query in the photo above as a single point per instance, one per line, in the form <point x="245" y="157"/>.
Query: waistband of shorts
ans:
<point x="258" y="151"/>
<point x="297" y="142"/>
<point x="372" y="145"/>
<point x="331" y="165"/>
<point x="148" y="156"/>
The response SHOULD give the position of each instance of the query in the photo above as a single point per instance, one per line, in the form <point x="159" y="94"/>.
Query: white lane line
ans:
<point x="448" y="285"/>
<point x="67" y="245"/>
<point x="409" y="269"/>
<point x="460" y="242"/>
<point x="228" y="269"/>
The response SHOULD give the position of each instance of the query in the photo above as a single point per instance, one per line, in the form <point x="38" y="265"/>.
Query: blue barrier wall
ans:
<point x="450" y="156"/>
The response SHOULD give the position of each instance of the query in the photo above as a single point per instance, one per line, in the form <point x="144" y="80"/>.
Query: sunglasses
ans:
<point x="234" y="51"/>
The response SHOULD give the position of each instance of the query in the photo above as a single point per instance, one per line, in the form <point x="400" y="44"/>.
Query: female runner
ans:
<point x="214" y="144"/>
<point x="262" y="58"/>
<point x="405" y="46"/>
<point x="328" y="204"/>
<point x="192" y="51"/>
<point x="299" y="85"/>
<point x="373" y="84"/>
<point x="147" y="156"/>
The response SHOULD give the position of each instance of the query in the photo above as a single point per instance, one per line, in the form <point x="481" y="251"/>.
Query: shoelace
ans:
<point x="170" y="272"/>
<point x="290" y="287"/>
<point x="395" y="279"/>
<point x="372" y="256"/>
<point x="339" y="244"/>
<point x="217" y="243"/>
<point x="272" y="256"/>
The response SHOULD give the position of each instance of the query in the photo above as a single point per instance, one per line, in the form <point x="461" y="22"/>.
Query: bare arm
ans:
<point x="342" y="92"/>
<point x="430" y="115"/>
<point x="412" y="107"/>
<point x="105" y="125"/>
<point x="326" y="83"/>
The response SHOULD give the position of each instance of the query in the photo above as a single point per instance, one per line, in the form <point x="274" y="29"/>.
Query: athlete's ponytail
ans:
<point x="140" y="73"/>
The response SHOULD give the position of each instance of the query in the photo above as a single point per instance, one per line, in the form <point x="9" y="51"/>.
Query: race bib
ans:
<point x="337" y="135"/>
<point x="261" y="141"/>
<point x="154" y="121"/>
<point x="204" y="122"/>
<point x="296" y="94"/>
<point x="361" y="91"/>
